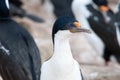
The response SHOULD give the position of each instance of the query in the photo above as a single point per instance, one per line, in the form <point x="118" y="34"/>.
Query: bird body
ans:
<point x="19" y="55"/>
<point x="62" y="65"/>
<point x="102" y="22"/>
<point x="105" y="28"/>
<point x="107" y="33"/>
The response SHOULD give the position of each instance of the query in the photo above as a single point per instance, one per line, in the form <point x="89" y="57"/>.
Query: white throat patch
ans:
<point x="118" y="33"/>
<point x="7" y="3"/>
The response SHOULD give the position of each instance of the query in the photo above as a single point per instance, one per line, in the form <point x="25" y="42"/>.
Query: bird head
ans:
<point x="66" y="25"/>
<point x="102" y="5"/>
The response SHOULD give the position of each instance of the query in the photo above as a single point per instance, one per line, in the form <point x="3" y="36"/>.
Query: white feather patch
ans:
<point x="4" y="49"/>
<point x="1" y="77"/>
<point x="118" y="33"/>
<point x="7" y="3"/>
<point x="61" y="66"/>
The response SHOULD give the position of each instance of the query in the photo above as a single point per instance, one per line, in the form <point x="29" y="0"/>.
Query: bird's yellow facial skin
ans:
<point x="77" y="24"/>
<point x="77" y="28"/>
<point x="104" y="8"/>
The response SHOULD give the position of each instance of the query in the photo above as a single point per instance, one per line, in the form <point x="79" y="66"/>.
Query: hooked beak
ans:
<point x="77" y="28"/>
<point x="74" y="30"/>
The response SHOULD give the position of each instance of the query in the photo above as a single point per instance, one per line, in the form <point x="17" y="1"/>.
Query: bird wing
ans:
<point x="34" y="53"/>
<point x="10" y="69"/>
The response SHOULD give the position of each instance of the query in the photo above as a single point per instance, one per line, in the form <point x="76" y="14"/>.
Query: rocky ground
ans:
<point x="91" y="65"/>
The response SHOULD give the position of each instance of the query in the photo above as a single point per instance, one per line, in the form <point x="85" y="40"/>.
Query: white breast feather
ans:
<point x="61" y="66"/>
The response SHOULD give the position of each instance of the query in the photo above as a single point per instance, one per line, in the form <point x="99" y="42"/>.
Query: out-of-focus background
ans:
<point x="91" y="64"/>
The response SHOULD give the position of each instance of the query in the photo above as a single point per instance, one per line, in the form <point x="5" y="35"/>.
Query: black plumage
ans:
<point x="62" y="8"/>
<point x="100" y="2"/>
<point x="62" y="56"/>
<point x="60" y="25"/>
<point x="19" y="55"/>
<point x="106" y="31"/>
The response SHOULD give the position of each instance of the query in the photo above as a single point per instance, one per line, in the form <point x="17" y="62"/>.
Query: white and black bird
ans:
<point x="102" y="21"/>
<point x="61" y="8"/>
<point x="19" y="55"/>
<point x="81" y="13"/>
<point x="117" y="23"/>
<point x="62" y="65"/>
<point x="106" y="29"/>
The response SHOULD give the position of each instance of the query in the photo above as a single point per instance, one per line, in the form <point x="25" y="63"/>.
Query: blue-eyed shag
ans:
<point x="102" y="21"/>
<point x="62" y="65"/>
<point x="106" y="29"/>
<point x="81" y="13"/>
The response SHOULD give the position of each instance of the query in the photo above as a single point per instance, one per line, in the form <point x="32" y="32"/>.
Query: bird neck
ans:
<point x="62" y="47"/>
<point x="4" y="9"/>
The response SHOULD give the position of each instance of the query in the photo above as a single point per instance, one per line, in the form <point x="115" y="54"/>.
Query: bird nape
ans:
<point x="62" y="65"/>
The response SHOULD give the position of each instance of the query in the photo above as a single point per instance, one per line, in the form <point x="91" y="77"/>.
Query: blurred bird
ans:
<point x="81" y="13"/>
<point x="19" y="55"/>
<point x="61" y="8"/>
<point x="117" y="23"/>
<point x="102" y="21"/>
<point x="62" y="65"/>
<point x="105" y="27"/>
<point x="17" y="10"/>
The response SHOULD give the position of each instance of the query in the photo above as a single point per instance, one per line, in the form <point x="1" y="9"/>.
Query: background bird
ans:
<point x="17" y="10"/>
<point x="101" y="20"/>
<point x="81" y="13"/>
<point x="117" y="23"/>
<point x="19" y="55"/>
<point x="105" y="28"/>
<point x="62" y="65"/>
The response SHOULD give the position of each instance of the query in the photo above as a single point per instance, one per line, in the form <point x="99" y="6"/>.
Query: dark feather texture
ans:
<point x="19" y="55"/>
